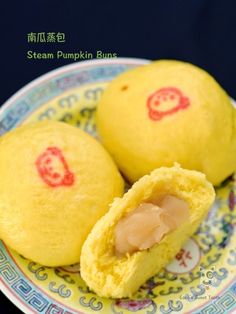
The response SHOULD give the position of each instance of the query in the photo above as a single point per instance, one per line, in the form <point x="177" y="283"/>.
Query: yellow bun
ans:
<point x="56" y="182"/>
<point x="165" y="112"/>
<point x="110" y="276"/>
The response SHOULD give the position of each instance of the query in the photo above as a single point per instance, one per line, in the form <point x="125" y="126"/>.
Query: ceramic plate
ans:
<point x="201" y="278"/>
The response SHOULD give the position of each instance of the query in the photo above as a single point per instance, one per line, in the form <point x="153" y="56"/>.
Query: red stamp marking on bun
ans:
<point x="53" y="169"/>
<point x="156" y="102"/>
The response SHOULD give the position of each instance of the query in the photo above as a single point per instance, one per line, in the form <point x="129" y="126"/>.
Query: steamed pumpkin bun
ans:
<point x="144" y="230"/>
<point x="56" y="182"/>
<point x="165" y="112"/>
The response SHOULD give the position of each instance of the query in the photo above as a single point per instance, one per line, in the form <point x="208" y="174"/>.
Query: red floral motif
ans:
<point x="156" y="102"/>
<point x="53" y="169"/>
<point x="133" y="305"/>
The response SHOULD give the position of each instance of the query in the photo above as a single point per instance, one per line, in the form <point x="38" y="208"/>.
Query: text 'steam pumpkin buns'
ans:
<point x="165" y="112"/>
<point x="56" y="182"/>
<point x="144" y="230"/>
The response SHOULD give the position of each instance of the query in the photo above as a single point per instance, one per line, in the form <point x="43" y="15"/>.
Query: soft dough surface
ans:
<point x="165" y="112"/>
<point x="56" y="182"/>
<point x="111" y="276"/>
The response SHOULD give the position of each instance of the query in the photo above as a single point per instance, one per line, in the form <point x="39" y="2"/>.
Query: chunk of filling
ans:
<point x="149" y="223"/>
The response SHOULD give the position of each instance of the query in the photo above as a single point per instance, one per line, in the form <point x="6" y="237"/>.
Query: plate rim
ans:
<point x="68" y="68"/>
